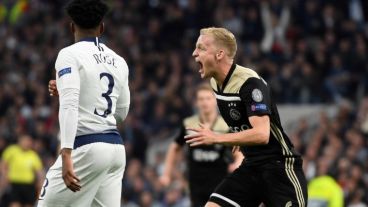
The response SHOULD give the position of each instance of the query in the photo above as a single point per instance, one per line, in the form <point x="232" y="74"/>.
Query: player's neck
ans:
<point x="208" y="118"/>
<point x="222" y="71"/>
<point x="79" y="35"/>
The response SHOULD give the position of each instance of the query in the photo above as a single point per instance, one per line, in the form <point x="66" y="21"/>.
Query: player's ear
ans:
<point x="72" y="27"/>
<point x="220" y="54"/>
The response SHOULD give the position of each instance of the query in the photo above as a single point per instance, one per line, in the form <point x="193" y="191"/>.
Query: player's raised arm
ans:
<point x="68" y="84"/>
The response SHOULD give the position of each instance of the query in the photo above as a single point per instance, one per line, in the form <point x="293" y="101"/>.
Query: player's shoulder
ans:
<point x="239" y="77"/>
<point x="243" y="73"/>
<point x="70" y="50"/>
<point x="221" y="126"/>
<point x="213" y="84"/>
<point x="191" y="121"/>
<point x="11" y="149"/>
<point x="119" y="57"/>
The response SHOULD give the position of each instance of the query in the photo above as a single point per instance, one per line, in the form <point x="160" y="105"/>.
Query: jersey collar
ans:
<point x="213" y="124"/>
<point x="95" y="40"/>
<point x="227" y="78"/>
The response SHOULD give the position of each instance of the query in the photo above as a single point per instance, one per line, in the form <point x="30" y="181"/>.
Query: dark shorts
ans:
<point x="23" y="193"/>
<point x="277" y="183"/>
<point x="201" y="185"/>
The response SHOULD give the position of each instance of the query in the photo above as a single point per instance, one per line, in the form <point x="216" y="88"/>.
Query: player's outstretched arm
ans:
<point x="259" y="134"/>
<point x="171" y="156"/>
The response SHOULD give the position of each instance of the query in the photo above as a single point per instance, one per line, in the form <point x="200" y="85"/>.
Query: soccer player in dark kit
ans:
<point x="207" y="165"/>
<point x="271" y="172"/>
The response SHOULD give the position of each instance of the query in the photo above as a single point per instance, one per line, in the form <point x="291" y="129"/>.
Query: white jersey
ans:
<point x="92" y="82"/>
<point x="101" y="78"/>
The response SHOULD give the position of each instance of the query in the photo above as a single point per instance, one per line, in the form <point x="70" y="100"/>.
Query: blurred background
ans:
<point x="312" y="53"/>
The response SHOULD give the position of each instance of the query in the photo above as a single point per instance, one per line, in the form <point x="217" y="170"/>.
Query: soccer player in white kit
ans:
<point x="92" y="82"/>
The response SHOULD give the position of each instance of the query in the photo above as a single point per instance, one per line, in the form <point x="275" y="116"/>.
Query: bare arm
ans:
<point x="40" y="177"/>
<point x="171" y="156"/>
<point x="238" y="159"/>
<point x="259" y="134"/>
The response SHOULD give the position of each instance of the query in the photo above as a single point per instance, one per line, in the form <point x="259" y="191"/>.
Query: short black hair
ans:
<point x="87" y="14"/>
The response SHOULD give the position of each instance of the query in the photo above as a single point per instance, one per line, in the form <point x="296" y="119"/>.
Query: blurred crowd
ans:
<point x="308" y="51"/>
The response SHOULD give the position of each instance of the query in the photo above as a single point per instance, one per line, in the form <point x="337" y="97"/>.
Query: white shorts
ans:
<point x="100" y="168"/>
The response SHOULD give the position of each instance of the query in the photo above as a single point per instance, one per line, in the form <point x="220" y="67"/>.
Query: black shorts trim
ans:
<point x="290" y="172"/>
<point x="223" y="201"/>
<point x="278" y="183"/>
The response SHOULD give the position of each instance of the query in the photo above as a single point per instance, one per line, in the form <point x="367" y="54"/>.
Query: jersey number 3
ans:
<point x="106" y="95"/>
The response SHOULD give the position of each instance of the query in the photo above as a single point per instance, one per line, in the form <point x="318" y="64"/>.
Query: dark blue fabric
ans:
<point x="112" y="138"/>
<point x="90" y="39"/>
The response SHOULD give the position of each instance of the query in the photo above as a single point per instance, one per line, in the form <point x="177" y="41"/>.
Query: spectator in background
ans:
<point x="316" y="31"/>
<point x="22" y="169"/>
<point x="275" y="19"/>
<point x="323" y="190"/>
<point x="207" y="165"/>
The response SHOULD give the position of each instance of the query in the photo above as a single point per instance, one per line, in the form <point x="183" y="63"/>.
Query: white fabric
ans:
<point x="68" y="116"/>
<point x="100" y="173"/>
<point x="90" y="67"/>
<point x="273" y="32"/>
<point x="121" y="113"/>
<point x="225" y="199"/>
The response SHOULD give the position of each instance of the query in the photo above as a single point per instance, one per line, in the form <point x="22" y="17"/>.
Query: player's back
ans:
<point x="103" y="84"/>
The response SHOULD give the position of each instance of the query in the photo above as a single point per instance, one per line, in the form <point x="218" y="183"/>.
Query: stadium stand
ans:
<point x="310" y="52"/>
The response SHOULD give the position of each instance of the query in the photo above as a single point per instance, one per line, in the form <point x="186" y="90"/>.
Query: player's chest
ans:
<point x="234" y="113"/>
<point x="206" y="153"/>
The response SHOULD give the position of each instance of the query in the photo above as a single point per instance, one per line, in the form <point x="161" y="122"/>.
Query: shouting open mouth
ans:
<point x="201" y="70"/>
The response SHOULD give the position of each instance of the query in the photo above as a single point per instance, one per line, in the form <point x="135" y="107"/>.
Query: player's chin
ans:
<point x="203" y="73"/>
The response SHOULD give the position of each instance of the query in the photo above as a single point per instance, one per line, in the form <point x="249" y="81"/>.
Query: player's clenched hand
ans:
<point x="70" y="179"/>
<point x="52" y="88"/>
<point x="203" y="136"/>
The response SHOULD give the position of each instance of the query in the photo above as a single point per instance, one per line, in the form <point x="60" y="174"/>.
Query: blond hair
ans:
<point x="204" y="87"/>
<point x="222" y="37"/>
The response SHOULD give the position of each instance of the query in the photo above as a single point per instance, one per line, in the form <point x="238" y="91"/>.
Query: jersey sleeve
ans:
<point x="68" y="85"/>
<point x="123" y="102"/>
<point x="8" y="153"/>
<point x="67" y="71"/>
<point x="255" y="96"/>
<point x="179" y="139"/>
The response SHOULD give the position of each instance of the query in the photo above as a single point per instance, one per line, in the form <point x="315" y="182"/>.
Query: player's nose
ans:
<point x="195" y="53"/>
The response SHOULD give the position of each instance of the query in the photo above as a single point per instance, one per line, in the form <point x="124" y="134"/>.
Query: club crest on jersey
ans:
<point x="257" y="95"/>
<point x="235" y="114"/>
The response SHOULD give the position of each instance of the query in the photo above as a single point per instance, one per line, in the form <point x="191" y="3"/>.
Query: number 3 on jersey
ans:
<point x="106" y="95"/>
